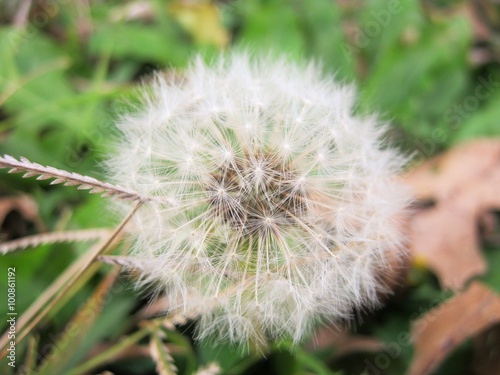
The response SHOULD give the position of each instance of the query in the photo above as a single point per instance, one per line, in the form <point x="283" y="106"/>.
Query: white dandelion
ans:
<point x="274" y="205"/>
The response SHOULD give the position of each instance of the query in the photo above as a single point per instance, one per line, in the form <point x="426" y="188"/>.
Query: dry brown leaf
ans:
<point x="441" y="330"/>
<point x="455" y="171"/>
<point x="464" y="184"/>
<point x="445" y="238"/>
<point x="15" y="214"/>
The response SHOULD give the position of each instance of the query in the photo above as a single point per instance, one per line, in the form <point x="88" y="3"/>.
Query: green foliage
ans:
<point x="164" y="46"/>
<point x="419" y="71"/>
<point x="301" y="30"/>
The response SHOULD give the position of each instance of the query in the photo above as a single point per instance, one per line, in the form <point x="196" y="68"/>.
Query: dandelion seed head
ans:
<point x="273" y="206"/>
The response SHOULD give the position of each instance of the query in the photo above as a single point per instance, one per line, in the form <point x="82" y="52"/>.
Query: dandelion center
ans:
<point x="256" y="192"/>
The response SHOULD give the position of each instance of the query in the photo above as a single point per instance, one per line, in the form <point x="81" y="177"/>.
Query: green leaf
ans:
<point x="492" y="276"/>
<point x="300" y="361"/>
<point x="320" y="22"/>
<point x="263" y="28"/>
<point x="35" y="270"/>
<point x="417" y="82"/>
<point x="44" y="111"/>
<point x="163" y="45"/>
<point x="470" y="120"/>
<point x="231" y="359"/>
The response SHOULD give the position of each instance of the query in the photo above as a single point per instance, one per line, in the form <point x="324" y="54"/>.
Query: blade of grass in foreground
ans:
<point x="58" y="289"/>
<point x="109" y="354"/>
<point x="69" y="341"/>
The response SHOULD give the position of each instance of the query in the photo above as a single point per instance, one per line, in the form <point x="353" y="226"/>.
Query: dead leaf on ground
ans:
<point x="464" y="184"/>
<point x="441" y="330"/>
<point x="16" y="214"/>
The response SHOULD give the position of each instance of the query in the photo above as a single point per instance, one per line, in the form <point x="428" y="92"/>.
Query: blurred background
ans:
<point x="68" y="68"/>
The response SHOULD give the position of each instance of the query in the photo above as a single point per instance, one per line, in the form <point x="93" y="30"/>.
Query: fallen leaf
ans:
<point x="16" y="214"/>
<point x="446" y="239"/>
<point x="463" y="183"/>
<point x="441" y="330"/>
<point x="450" y="173"/>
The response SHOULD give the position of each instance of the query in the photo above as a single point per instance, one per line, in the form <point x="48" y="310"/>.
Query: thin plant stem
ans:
<point x="61" y="286"/>
<point x="110" y="353"/>
<point x="53" y="237"/>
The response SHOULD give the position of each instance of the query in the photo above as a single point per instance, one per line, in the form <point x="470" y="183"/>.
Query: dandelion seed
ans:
<point x="276" y="204"/>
